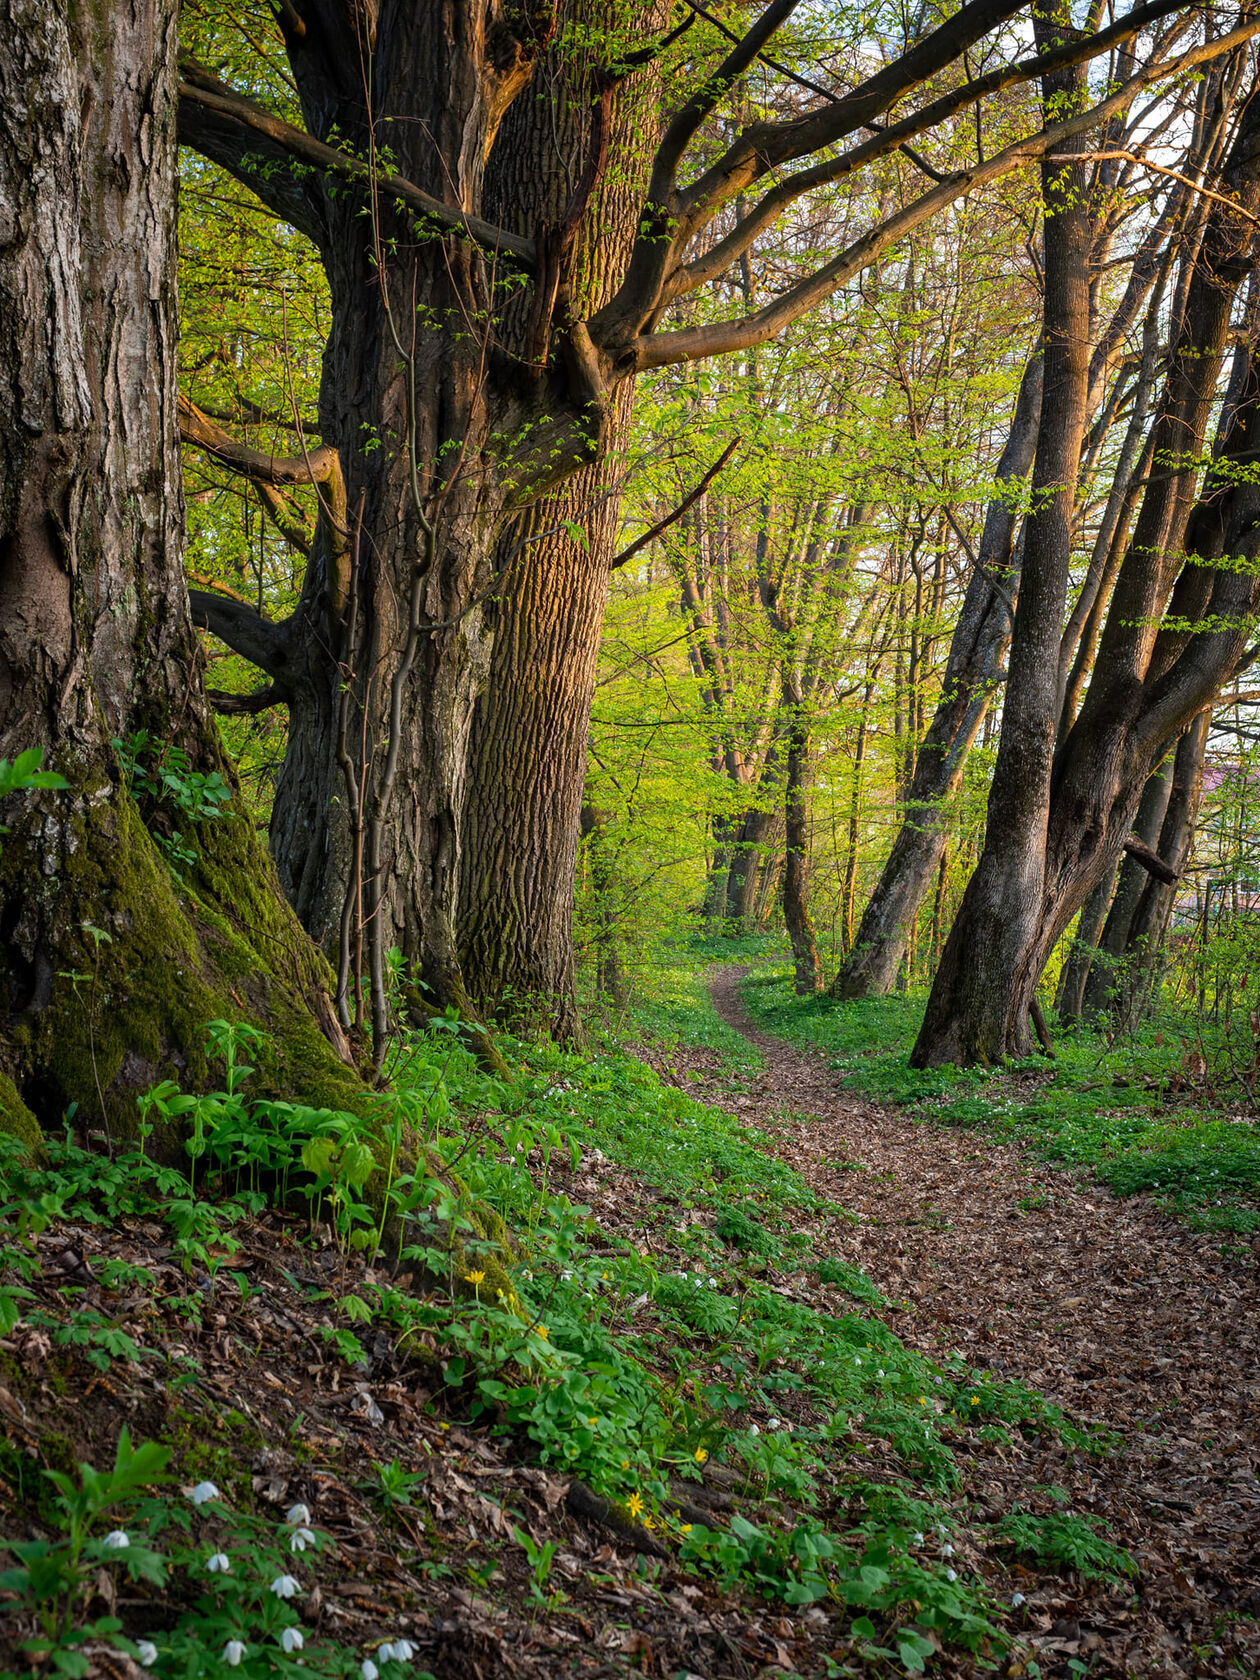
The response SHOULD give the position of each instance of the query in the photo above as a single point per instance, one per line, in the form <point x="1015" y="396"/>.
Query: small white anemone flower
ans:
<point x="219" y="1563"/>
<point x="146" y="1653"/>
<point x="754" y="1429"/>
<point x="951" y="1574"/>
<point x="918" y="1539"/>
<point x="297" y="1516"/>
<point x="403" y="1650"/>
<point x="368" y="1669"/>
<point x="1016" y="1600"/>
<point x="286" y="1586"/>
<point x="773" y="1424"/>
<point x="301" y="1538"/>
<point x="947" y="1550"/>
<point x="204" y="1491"/>
<point x="116" y="1540"/>
<point x="233" y="1651"/>
<point x="291" y="1639"/>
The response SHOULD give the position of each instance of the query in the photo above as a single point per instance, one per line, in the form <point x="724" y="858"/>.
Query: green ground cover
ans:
<point x="621" y="1280"/>
<point x="1139" y="1114"/>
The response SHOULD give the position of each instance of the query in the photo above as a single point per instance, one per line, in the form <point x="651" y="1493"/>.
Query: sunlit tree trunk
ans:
<point x="978" y="1009"/>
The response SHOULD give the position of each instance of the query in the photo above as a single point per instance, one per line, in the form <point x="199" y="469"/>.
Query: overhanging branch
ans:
<point x="688" y="501"/>
<point x="696" y="343"/>
<point x="205" y="92"/>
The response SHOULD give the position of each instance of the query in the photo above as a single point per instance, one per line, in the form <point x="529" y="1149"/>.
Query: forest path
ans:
<point x="1117" y="1312"/>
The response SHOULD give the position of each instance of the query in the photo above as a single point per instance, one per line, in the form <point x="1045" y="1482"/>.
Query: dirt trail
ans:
<point x="1114" y="1310"/>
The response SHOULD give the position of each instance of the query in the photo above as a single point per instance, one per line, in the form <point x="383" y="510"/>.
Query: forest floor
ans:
<point x="856" y="1392"/>
<point x="1113" y="1309"/>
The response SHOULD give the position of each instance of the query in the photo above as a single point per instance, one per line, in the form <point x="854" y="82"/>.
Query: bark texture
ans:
<point x="109" y="964"/>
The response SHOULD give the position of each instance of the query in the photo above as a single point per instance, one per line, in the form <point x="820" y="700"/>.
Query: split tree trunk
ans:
<point x="109" y="965"/>
<point x="439" y="696"/>
<point x="1150" y="678"/>
<point x="981" y="638"/>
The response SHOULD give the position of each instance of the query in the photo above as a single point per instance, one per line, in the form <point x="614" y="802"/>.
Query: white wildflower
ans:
<point x="285" y="1586"/>
<point x="951" y="1574"/>
<point x="1016" y="1600"/>
<point x="116" y="1540"/>
<point x="368" y="1669"/>
<point x="219" y="1563"/>
<point x="204" y="1491"/>
<point x="403" y="1650"/>
<point x="301" y="1538"/>
<point x="146" y="1653"/>
<point x="233" y="1651"/>
<point x="297" y="1516"/>
<point x="291" y="1639"/>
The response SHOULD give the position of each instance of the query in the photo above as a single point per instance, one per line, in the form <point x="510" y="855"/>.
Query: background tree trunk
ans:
<point x="980" y="640"/>
<point x="1106" y="982"/>
<point x="796" y="914"/>
<point x="110" y="966"/>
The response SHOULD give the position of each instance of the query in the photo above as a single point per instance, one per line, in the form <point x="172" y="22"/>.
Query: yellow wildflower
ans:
<point x="592" y="1421"/>
<point x="634" y="1504"/>
<point x="474" y="1277"/>
<point x="700" y="1455"/>
<point x="542" y="1331"/>
<point x="686" y="1528"/>
<point x="975" y="1400"/>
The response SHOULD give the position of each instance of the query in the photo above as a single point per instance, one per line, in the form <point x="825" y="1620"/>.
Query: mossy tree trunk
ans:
<point x="110" y="964"/>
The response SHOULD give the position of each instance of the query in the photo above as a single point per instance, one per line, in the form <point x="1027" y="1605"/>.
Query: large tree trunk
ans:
<point x="110" y="966"/>
<point x="439" y="695"/>
<point x="1150" y="678"/>
<point x="978" y="1008"/>
<point x="981" y="638"/>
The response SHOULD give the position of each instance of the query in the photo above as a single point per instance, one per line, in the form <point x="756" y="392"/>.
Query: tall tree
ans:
<point x="1174" y="633"/>
<point x="469" y="370"/>
<point x="110" y="962"/>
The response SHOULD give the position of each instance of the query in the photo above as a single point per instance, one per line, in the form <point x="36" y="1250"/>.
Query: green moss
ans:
<point x="142" y="961"/>
<point x="16" y="1120"/>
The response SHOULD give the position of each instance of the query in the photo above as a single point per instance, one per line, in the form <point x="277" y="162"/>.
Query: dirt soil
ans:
<point x="1116" y="1311"/>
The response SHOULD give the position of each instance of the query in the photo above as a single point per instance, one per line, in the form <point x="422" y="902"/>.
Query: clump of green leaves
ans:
<point x="1059" y="1541"/>
<point x="160" y="778"/>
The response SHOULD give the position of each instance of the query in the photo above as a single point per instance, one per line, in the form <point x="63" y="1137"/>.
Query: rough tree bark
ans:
<point x="109" y="964"/>
<point x="1161" y="659"/>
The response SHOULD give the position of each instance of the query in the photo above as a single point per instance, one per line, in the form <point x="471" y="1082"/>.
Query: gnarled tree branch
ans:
<point x="200" y="91"/>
